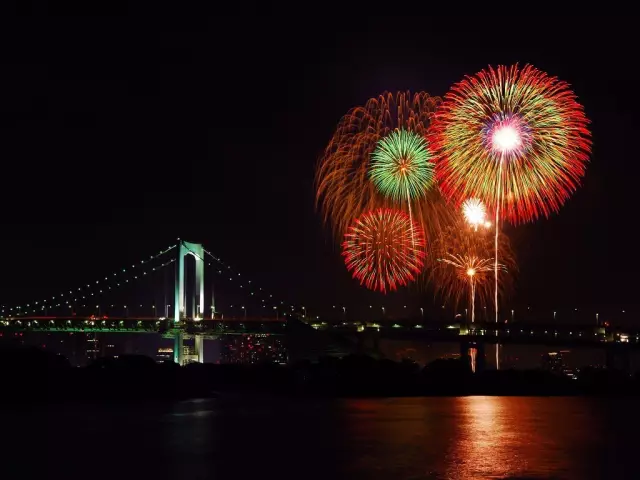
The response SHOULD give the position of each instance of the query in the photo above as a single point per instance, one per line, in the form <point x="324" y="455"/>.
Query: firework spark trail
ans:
<point x="473" y="299"/>
<point x="497" y="227"/>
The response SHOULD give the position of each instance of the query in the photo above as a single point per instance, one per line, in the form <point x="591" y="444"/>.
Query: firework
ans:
<point x="512" y="137"/>
<point x="361" y="169"/>
<point x="470" y="268"/>
<point x="464" y="262"/>
<point x="475" y="213"/>
<point x="401" y="166"/>
<point x="384" y="249"/>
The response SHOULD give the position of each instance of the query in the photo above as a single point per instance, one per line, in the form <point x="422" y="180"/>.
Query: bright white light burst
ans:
<point x="506" y="139"/>
<point x="474" y="212"/>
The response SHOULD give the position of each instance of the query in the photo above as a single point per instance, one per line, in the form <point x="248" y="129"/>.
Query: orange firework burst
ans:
<point x="350" y="181"/>
<point x="464" y="263"/>
<point x="384" y="249"/>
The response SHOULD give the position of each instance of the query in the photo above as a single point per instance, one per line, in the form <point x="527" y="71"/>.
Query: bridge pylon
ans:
<point x="197" y="297"/>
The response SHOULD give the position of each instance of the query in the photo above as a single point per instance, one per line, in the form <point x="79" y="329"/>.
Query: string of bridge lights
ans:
<point x="117" y="280"/>
<point x="232" y="274"/>
<point x="110" y="282"/>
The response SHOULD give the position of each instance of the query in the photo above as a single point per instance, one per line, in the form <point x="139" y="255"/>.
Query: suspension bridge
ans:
<point x="186" y="320"/>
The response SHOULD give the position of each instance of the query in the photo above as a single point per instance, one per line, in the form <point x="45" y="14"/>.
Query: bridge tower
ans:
<point x="180" y="312"/>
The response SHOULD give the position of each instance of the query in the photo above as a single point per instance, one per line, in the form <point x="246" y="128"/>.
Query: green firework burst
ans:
<point x="401" y="166"/>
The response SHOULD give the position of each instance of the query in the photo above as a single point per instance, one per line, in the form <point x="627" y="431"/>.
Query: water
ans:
<point x="239" y="437"/>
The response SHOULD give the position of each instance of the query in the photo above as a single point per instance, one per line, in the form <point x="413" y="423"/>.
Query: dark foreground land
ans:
<point x="29" y="374"/>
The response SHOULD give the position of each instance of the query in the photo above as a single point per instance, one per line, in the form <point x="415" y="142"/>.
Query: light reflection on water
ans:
<point x="265" y="437"/>
<point x="502" y="437"/>
<point x="491" y="437"/>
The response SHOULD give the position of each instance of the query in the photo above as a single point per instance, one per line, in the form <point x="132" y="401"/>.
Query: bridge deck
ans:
<point x="517" y="333"/>
<point x="142" y="325"/>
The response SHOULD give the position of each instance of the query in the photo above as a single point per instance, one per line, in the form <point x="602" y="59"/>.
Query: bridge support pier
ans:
<point x="188" y="354"/>
<point x="178" y="348"/>
<point x="199" y="348"/>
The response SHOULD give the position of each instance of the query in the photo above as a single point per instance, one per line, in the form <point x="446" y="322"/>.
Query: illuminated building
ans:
<point x="93" y="347"/>
<point x="165" y="354"/>
<point x="555" y="362"/>
<point x="253" y="349"/>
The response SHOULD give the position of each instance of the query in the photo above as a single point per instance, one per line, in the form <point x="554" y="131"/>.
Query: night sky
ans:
<point x="118" y="136"/>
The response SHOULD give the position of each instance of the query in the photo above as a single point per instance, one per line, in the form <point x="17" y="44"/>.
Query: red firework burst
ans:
<point x="512" y="137"/>
<point x="384" y="249"/>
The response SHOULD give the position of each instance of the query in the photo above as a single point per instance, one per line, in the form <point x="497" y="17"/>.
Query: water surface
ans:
<point x="239" y="437"/>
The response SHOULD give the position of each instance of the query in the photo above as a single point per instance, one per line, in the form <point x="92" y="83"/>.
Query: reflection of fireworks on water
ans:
<point x="473" y="354"/>
<point x="384" y="249"/>
<point x="513" y="137"/>
<point x="361" y="169"/>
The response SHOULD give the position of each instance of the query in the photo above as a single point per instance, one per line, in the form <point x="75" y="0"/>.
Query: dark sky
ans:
<point x="119" y="135"/>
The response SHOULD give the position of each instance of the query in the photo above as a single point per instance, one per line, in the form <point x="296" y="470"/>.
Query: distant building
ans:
<point x="556" y="362"/>
<point x="165" y="354"/>
<point x="109" y="350"/>
<point x="253" y="349"/>
<point x="92" y="347"/>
